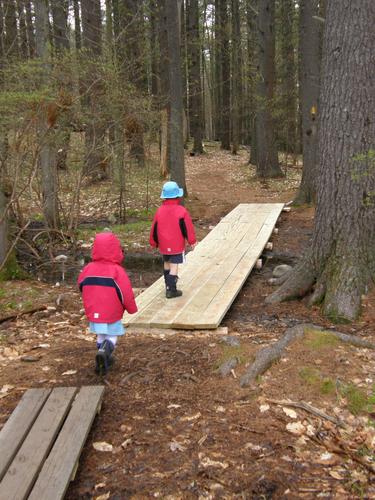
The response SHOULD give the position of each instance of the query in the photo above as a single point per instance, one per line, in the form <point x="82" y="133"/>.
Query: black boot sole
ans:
<point x="174" y="294"/>
<point x="101" y="364"/>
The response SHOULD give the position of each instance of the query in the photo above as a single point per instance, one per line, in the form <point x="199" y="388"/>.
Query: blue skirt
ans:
<point x="116" y="328"/>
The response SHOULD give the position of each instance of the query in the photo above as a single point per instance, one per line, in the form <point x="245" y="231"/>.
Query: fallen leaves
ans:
<point x="296" y="428"/>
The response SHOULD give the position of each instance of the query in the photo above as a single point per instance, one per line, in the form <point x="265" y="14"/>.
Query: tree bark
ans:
<point x="77" y="25"/>
<point x="341" y="257"/>
<point x="195" y="86"/>
<point x="60" y="9"/>
<point x="251" y="21"/>
<point x="11" y="36"/>
<point x="236" y="76"/>
<point x="310" y="61"/>
<point x="224" y="48"/>
<point x="22" y="29"/>
<point x="30" y="29"/>
<point x="267" y="157"/>
<point x="177" y="167"/>
<point x="155" y="84"/>
<point x="288" y="76"/>
<point x="47" y="155"/>
<point x="95" y="162"/>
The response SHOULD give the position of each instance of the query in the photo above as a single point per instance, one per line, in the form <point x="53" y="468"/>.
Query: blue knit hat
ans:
<point x="171" y="190"/>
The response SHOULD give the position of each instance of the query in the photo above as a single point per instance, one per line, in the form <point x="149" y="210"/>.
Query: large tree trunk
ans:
<point x="224" y="27"/>
<point x="310" y="62"/>
<point x="95" y="161"/>
<point x="288" y="76"/>
<point x="11" y="38"/>
<point x="30" y="29"/>
<point x="4" y="243"/>
<point x="60" y="10"/>
<point x="267" y="157"/>
<point x="46" y="134"/>
<point x="155" y="84"/>
<point x="177" y="167"/>
<point x="217" y="73"/>
<point x="251" y="21"/>
<point x="236" y="76"/>
<point x="195" y="86"/>
<point x="77" y="25"/>
<point x="341" y="258"/>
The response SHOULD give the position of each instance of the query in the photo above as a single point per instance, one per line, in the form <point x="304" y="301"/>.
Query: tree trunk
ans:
<point x="288" y="76"/>
<point x="22" y="29"/>
<point x="95" y="162"/>
<point x="236" y="76"/>
<point x="77" y="25"/>
<point x="11" y="38"/>
<point x="46" y="134"/>
<point x="217" y="73"/>
<point x="310" y="61"/>
<point x="60" y="9"/>
<point x="195" y="85"/>
<point x="155" y="84"/>
<point x="341" y="258"/>
<point x="251" y="21"/>
<point x="30" y="29"/>
<point x="267" y="157"/>
<point x="4" y="243"/>
<point x="177" y="167"/>
<point x="225" y="74"/>
<point x="164" y="99"/>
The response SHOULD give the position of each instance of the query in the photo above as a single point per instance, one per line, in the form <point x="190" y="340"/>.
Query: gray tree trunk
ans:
<point x="177" y="167"/>
<point x="195" y="85"/>
<point x="4" y="243"/>
<point x="251" y="21"/>
<point x="30" y="28"/>
<point x="77" y="25"/>
<point x="288" y="76"/>
<point x="217" y="73"/>
<point x="95" y="161"/>
<point x="60" y="10"/>
<point x="22" y="29"/>
<point x="310" y="62"/>
<point x="46" y="133"/>
<point x="267" y="157"/>
<point x="225" y="74"/>
<point x="11" y="36"/>
<point x="236" y="76"/>
<point x="341" y="258"/>
<point x="155" y="84"/>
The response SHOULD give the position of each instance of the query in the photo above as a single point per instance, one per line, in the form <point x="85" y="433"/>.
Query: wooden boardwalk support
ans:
<point x="42" y="440"/>
<point x="214" y="273"/>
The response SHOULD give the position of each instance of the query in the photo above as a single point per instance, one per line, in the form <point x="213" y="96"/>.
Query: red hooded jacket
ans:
<point x="105" y="286"/>
<point x="170" y="228"/>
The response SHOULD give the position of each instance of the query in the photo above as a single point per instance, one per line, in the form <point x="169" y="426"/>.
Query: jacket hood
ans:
<point x="107" y="247"/>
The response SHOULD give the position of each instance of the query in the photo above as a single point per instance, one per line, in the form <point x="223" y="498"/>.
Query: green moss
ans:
<point x="12" y="270"/>
<point x="317" y="339"/>
<point x="356" y="398"/>
<point x="229" y="352"/>
<point x="327" y="386"/>
<point x="309" y="375"/>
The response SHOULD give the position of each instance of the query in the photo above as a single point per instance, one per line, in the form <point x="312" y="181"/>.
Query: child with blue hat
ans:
<point x="171" y="228"/>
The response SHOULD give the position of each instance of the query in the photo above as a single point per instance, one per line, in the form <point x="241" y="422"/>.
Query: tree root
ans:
<point x="308" y="408"/>
<point x="266" y="356"/>
<point x="298" y="282"/>
<point x="226" y="368"/>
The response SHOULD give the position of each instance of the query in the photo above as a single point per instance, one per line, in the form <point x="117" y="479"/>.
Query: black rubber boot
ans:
<point x="104" y="359"/>
<point x="166" y="274"/>
<point x="172" y="291"/>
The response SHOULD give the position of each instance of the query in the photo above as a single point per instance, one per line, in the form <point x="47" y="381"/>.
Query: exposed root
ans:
<point x="298" y="283"/>
<point x="268" y="355"/>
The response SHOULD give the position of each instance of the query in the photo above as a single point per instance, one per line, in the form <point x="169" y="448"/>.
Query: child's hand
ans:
<point x="193" y="245"/>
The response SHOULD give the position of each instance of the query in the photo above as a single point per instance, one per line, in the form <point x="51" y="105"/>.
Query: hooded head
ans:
<point x="107" y="247"/>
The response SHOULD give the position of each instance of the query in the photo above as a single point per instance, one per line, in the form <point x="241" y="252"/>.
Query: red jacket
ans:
<point x="170" y="228"/>
<point x="105" y="286"/>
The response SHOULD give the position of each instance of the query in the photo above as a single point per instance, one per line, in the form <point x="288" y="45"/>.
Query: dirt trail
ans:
<point x="179" y="430"/>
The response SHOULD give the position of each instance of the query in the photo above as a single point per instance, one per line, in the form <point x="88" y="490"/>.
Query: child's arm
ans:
<point x="191" y="238"/>
<point x="154" y="233"/>
<point x="123" y="282"/>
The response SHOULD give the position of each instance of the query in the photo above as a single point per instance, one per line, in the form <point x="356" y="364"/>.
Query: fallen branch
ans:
<point x="268" y="355"/>
<point x="308" y="408"/>
<point x="22" y="313"/>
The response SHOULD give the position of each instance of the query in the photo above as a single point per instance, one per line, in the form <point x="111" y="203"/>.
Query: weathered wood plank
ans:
<point x="18" y="425"/>
<point x="60" y="465"/>
<point x="26" y="465"/>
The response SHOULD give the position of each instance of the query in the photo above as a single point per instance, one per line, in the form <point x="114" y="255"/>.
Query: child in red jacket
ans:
<point x="171" y="228"/>
<point x="106" y="294"/>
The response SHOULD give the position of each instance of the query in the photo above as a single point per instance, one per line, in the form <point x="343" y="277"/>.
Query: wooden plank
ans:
<point x="18" y="425"/>
<point x="214" y="273"/>
<point x="25" y="467"/>
<point x="62" y="461"/>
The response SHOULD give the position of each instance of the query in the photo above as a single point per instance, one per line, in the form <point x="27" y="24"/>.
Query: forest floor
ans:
<point x="176" y="428"/>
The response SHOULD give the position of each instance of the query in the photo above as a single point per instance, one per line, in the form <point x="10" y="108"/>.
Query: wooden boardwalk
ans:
<point x="213" y="274"/>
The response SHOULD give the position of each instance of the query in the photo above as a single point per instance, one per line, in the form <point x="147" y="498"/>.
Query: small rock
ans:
<point x="30" y="359"/>
<point x="231" y="340"/>
<point x="281" y="270"/>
